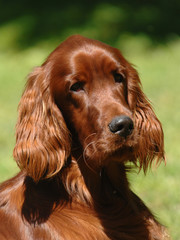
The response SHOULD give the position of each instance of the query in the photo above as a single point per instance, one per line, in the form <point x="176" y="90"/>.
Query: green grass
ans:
<point x="159" y="71"/>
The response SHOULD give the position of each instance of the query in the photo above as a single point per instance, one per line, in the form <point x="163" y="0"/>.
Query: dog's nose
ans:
<point x="121" y="125"/>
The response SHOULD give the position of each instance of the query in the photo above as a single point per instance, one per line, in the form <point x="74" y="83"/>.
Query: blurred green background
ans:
<point x="147" y="33"/>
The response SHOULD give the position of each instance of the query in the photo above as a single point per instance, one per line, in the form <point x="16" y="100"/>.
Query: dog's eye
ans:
<point x="76" y="87"/>
<point x="118" y="77"/>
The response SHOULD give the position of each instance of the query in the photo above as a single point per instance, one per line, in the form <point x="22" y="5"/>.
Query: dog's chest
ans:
<point x="85" y="224"/>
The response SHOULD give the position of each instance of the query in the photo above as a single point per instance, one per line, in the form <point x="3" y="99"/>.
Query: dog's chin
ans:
<point x="122" y="155"/>
<point x="101" y="158"/>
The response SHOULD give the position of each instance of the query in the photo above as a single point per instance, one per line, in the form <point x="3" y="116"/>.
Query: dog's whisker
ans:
<point x="85" y="158"/>
<point x="89" y="137"/>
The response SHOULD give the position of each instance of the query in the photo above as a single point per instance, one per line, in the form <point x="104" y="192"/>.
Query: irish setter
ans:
<point x="82" y="117"/>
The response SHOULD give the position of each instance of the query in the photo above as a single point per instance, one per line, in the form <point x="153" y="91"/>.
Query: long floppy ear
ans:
<point x="42" y="138"/>
<point x="151" y="138"/>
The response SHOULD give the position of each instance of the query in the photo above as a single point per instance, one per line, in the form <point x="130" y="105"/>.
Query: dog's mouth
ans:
<point x="110" y="148"/>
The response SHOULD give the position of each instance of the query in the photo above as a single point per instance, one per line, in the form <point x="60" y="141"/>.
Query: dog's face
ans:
<point x="86" y="88"/>
<point x="90" y="97"/>
<point x="94" y="88"/>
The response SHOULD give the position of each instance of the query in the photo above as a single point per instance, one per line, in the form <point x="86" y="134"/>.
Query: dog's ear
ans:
<point x="42" y="138"/>
<point x="150" y="145"/>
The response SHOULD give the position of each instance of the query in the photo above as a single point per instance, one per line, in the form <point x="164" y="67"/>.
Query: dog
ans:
<point x="82" y="118"/>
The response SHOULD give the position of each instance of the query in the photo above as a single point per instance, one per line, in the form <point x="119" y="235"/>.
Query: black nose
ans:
<point x="121" y="125"/>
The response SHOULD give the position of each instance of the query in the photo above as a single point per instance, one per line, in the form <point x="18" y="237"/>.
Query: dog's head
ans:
<point x="88" y="92"/>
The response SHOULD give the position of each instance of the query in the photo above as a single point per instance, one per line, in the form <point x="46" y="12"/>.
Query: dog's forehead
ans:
<point x="93" y="59"/>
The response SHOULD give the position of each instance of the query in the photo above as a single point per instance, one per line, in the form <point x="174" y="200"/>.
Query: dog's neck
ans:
<point x="90" y="184"/>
